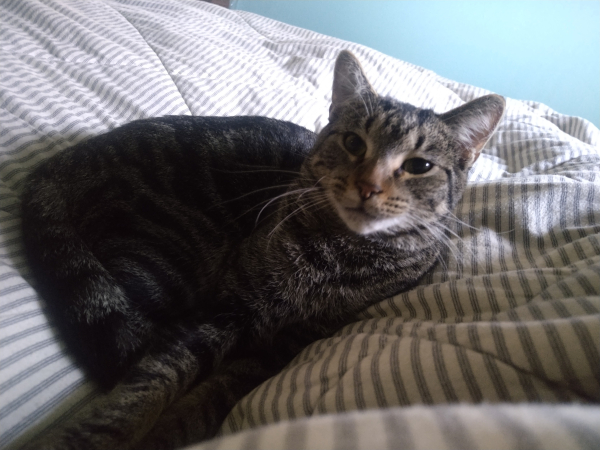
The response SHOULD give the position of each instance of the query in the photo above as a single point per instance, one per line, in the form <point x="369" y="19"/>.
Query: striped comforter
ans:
<point x="509" y="316"/>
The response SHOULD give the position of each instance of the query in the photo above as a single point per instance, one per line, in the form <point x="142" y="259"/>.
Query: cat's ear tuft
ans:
<point x="349" y="80"/>
<point x="474" y="123"/>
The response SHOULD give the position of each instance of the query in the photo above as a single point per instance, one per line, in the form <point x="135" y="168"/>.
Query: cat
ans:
<point x="198" y="255"/>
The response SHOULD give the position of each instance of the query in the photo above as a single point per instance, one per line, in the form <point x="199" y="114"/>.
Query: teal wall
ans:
<point x="547" y="51"/>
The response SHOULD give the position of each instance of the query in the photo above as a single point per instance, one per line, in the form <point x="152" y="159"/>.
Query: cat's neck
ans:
<point x="311" y="268"/>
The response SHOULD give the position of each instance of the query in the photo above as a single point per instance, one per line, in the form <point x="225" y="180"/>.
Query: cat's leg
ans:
<point x="122" y="417"/>
<point x="198" y="415"/>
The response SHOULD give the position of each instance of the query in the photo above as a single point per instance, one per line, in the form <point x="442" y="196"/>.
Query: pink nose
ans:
<point x="367" y="190"/>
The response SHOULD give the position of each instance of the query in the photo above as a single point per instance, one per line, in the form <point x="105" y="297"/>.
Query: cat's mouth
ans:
<point x="360" y="211"/>
<point x="361" y="217"/>
<point x="363" y="220"/>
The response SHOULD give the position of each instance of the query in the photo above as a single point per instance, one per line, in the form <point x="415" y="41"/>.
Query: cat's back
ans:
<point x="196" y="180"/>
<point x="198" y="162"/>
<point x="131" y="227"/>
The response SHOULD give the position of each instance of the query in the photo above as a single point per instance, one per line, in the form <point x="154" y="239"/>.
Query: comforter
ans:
<point x="500" y="341"/>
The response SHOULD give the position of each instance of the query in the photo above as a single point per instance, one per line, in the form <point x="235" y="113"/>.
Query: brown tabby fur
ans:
<point x="187" y="259"/>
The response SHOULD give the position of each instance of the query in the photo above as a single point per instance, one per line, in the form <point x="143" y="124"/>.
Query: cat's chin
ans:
<point x="363" y="223"/>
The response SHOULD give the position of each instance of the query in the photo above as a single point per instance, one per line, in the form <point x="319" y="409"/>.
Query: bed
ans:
<point x="498" y="347"/>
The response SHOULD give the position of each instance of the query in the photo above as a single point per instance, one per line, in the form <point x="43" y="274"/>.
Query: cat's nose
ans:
<point x="366" y="190"/>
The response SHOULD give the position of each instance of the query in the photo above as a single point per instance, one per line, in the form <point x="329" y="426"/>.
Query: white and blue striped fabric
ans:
<point x="510" y="315"/>
<point x="442" y="427"/>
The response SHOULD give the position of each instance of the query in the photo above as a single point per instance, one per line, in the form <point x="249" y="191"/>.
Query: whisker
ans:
<point x="253" y="207"/>
<point x="441" y="231"/>
<point x="448" y="229"/>
<point x="267" y="169"/>
<point x="451" y="216"/>
<point x="303" y="190"/>
<point x="315" y="195"/>
<point x="533" y="139"/>
<point x="250" y="193"/>
<point x="254" y="167"/>
<point x="369" y="97"/>
<point x="296" y="211"/>
<point x="447" y="243"/>
<point x="424" y="236"/>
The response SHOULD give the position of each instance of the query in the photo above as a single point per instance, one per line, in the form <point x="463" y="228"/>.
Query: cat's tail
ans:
<point x="83" y="299"/>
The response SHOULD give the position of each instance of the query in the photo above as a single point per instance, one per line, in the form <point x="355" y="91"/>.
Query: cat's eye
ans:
<point x="417" y="166"/>
<point x="354" y="144"/>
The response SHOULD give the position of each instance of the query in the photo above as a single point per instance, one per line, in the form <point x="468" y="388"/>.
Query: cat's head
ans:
<point x="386" y="166"/>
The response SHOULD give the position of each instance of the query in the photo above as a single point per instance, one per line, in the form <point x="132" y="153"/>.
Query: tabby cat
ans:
<point x="198" y="255"/>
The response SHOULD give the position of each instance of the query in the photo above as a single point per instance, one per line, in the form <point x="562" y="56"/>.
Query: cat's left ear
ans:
<point x="349" y="81"/>
<point x="474" y="123"/>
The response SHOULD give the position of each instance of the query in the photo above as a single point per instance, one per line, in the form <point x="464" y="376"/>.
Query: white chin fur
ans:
<point x="363" y="225"/>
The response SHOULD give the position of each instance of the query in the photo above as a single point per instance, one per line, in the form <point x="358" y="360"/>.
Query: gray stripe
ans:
<point x="277" y="398"/>
<point x="504" y="355"/>
<point x="587" y="437"/>
<point x="342" y="369"/>
<point x="424" y="304"/>
<point x="29" y="371"/>
<point x="442" y="371"/>
<point x="296" y="436"/>
<point x="25" y="397"/>
<point x="490" y="364"/>
<point x="522" y="438"/>
<point x="358" y="388"/>
<point x="465" y="367"/>
<point x="48" y="407"/>
<point x="417" y="370"/>
<point x="16" y="303"/>
<point x="439" y="301"/>
<point x="17" y="356"/>
<point x="456" y="299"/>
<point x="262" y="417"/>
<point x="20" y="317"/>
<point x="24" y="334"/>
<point x="307" y="407"/>
<point x="455" y="431"/>
<point x="396" y="376"/>
<point x="248" y="410"/>
<point x="375" y="375"/>
<point x="398" y="431"/>
<point x="291" y="413"/>
<point x="344" y="434"/>
<point x="324" y="381"/>
<point x="590" y="349"/>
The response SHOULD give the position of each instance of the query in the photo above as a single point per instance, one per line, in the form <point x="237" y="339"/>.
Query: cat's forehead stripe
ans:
<point x="369" y="122"/>
<point x="419" y="143"/>
<point x="393" y="127"/>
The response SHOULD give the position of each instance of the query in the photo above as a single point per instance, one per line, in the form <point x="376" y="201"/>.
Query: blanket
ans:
<point x="509" y="315"/>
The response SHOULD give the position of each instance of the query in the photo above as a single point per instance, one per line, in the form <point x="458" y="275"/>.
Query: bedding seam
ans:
<point x="158" y="57"/>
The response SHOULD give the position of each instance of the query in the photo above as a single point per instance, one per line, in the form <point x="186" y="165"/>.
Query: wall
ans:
<point x="547" y="51"/>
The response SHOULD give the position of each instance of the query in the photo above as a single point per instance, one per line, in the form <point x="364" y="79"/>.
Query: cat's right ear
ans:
<point x="474" y="123"/>
<point x="349" y="81"/>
